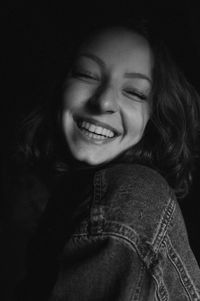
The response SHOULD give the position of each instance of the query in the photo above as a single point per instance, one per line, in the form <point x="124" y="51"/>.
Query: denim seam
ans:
<point x="152" y="260"/>
<point x="128" y="243"/>
<point x="137" y="294"/>
<point x="147" y="252"/>
<point x="163" y="224"/>
<point x="114" y="224"/>
<point x="128" y="234"/>
<point x="139" y="245"/>
<point x="161" y="292"/>
<point x="184" y="276"/>
<point x="110" y="235"/>
<point x="97" y="188"/>
<point x="133" y="248"/>
<point x="124" y="232"/>
<point x="95" y="227"/>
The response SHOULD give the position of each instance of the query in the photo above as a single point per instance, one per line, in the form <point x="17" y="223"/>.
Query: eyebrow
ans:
<point x="127" y="74"/>
<point x="138" y="75"/>
<point x="94" y="58"/>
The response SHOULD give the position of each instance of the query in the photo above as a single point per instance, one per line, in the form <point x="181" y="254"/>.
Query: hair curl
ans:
<point x="170" y="140"/>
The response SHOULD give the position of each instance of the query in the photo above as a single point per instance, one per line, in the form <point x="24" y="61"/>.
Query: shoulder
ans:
<point x="137" y="180"/>
<point x="137" y="196"/>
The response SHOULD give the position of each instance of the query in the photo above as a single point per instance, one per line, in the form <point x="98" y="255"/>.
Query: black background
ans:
<point x="33" y="40"/>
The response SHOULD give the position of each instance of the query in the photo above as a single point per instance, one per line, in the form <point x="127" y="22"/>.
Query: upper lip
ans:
<point x="97" y="123"/>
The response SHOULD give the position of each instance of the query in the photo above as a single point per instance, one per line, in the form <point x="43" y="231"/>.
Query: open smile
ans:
<point x="95" y="130"/>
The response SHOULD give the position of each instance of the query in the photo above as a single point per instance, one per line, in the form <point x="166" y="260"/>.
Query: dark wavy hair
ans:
<point x="170" y="140"/>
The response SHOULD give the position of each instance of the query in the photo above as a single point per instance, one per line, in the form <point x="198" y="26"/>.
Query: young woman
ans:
<point x="118" y="145"/>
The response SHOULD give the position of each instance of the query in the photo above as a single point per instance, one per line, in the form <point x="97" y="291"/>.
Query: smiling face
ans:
<point x="106" y="99"/>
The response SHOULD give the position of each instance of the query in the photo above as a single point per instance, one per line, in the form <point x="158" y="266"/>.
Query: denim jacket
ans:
<point x="131" y="243"/>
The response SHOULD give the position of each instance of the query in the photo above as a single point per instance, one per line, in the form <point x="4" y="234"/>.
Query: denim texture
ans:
<point x="131" y="244"/>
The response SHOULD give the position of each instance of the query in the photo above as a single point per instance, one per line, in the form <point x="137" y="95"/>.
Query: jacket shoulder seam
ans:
<point x="164" y="223"/>
<point x="181" y="269"/>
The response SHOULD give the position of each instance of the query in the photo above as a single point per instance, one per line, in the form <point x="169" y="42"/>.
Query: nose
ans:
<point x="105" y="99"/>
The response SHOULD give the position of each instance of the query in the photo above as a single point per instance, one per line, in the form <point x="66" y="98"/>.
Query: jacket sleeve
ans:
<point x="134" y="246"/>
<point x="149" y="207"/>
<point x="130" y="245"/>
<point x="175" y="271"/>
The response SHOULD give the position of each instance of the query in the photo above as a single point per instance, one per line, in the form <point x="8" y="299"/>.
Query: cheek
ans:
<point x="75" y="95"/>
<point x="70" y="98"/>
<point x="137" y="119"/>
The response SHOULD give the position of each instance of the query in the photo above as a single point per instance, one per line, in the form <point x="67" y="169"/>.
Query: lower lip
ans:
<point x="93" y="140"/>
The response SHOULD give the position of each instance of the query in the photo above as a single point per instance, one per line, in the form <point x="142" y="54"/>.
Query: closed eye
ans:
<point x="84" y="75"/>
<point x="133" y="93"/>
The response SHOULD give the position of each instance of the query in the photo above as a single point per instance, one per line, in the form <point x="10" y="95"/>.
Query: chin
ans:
<point x="90" y="159"/>
<point x="93" y="161"/>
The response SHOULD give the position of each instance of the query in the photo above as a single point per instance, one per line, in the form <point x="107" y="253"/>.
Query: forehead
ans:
<point x="120" y="46"/>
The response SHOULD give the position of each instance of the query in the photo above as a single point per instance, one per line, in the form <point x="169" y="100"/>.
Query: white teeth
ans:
<point x="104" y="132"/>
<point x="99" y="130"/>
<point x="94" y="136"/>
<point x="96" y="130"/>
<point x="84" y="123"/>
<point x="92" y="128"/>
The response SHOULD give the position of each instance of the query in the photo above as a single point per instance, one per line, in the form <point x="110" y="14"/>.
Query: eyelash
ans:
<point x="135" y="93"/>
<point x="84" y="74"/>
<point x="90" y="76"/>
